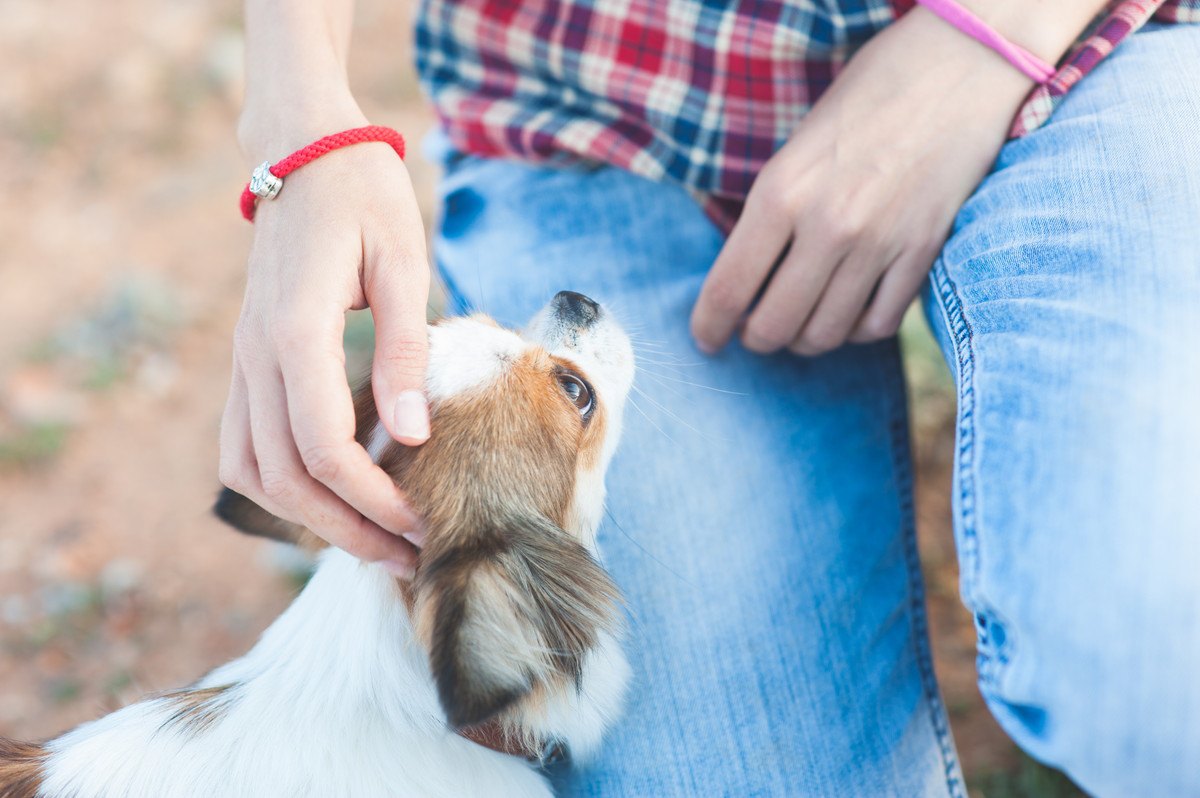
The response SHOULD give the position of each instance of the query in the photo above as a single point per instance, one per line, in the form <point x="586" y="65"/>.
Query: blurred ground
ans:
<point x="121" y="258"/>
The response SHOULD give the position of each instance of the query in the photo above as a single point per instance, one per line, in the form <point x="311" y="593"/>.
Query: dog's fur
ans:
<point x="359" y="687"/>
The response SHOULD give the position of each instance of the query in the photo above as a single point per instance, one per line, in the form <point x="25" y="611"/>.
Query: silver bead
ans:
<point x="264" y="184"/>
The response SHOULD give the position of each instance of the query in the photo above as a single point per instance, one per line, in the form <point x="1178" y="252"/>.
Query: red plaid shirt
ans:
<point x="699" y="92"/>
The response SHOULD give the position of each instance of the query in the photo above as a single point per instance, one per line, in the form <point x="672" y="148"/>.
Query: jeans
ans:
<point x="760" y="508"/>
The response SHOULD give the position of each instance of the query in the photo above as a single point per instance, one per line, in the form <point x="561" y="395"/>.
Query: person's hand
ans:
<point x="345" y="232"/>
<point x="843" y="223"/>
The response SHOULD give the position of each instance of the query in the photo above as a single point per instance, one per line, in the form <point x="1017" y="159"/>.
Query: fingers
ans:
<point x="899" y="286"/>
<point x="397" y="291"/>
<point x="839" y="307"/>
<point x="290" y="491"/>
<point x="321" y="415"/>
<point x="737" y="275"/>
<point x="288" y="437"/>
<point x="789" y="299"/>
<point x="240" y="472"/>
<point x="238" y="469"/>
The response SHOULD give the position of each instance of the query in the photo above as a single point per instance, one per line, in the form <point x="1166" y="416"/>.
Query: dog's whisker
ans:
<point x="643" y="549"/>
<point x="664" y="370"/>
<point x="672" y="415"/>
<point x="634" y="335"/>
<point x="691" y="384"/>
<point x="675" y="367"/>
<point x="646" y="416"/>
<point x="673" y="360"/>
<point x="640" y="343"/>
<point x="671" y="388"/>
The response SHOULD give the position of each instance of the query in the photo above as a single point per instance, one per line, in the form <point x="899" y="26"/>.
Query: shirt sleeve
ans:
<point x="1119" y="21"/>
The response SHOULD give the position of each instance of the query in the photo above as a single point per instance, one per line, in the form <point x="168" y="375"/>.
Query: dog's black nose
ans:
<point x="577" y="309"/>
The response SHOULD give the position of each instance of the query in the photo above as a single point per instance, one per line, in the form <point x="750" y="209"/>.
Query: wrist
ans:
<point x="933" y="63"/>
<point x="271" y="127"/>
<point x="920" y="90"/>
<point x="1046" y="28"/>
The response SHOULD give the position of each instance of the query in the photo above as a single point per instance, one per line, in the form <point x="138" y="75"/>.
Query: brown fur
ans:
<point x="514" y="444"/>
<point x="20" y="769"/>
<point x="514" y="610"/>
<point x="197" y="710"/>
<point x="506" y="600"/>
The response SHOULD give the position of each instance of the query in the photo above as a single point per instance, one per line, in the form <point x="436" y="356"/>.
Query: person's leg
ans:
<point x="760" y="518"/>
<point x="1068" y="302"/>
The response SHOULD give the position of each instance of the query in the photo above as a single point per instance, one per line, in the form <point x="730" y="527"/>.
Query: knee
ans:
<point x="1104" y="686"/>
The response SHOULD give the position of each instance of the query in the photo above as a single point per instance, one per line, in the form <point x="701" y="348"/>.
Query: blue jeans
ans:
<point x="761" y="507"/>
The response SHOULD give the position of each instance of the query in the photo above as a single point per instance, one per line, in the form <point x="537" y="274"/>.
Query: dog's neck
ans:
<point x="349" y="629"/>
<point x="337" y="692"/>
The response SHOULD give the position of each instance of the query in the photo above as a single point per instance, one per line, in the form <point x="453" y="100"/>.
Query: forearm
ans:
<point x="296" y="82"/>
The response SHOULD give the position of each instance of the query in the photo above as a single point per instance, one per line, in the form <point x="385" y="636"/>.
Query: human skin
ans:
<point x="860" y="199"/>
<point x="856" y="205"/>
<point x="344" y="233"/>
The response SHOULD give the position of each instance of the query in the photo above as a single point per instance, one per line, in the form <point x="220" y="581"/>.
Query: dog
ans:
<point x="501" y="653"/>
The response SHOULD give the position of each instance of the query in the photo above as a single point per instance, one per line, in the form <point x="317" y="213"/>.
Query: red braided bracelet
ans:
<point x="267" y="180"/>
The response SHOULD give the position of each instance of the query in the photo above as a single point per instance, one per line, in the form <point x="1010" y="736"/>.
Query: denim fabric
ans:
<point x="760" y="508"/>
<point x="760" y="520"/>
<point x="1068" y="303"/>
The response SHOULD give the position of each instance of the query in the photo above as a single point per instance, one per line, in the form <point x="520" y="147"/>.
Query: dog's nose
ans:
<point x="575" y="308"/>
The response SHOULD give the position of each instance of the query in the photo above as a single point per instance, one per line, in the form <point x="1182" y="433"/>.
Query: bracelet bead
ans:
<point x="267" y="179"/>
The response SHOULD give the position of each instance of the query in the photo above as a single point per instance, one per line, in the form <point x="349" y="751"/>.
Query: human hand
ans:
<point x="345" y="233"/>
<point x="855" y="207"/>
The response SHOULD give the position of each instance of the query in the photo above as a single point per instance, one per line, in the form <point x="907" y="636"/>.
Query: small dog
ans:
<point x="503" y="649"/>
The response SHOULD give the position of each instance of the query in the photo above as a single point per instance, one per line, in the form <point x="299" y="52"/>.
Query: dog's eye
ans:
<point x="577" y="391"/>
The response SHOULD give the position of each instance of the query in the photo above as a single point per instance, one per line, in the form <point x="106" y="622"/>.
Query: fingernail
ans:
<point x="411" y="419"/>
<point x="399" y="569"/>
<point x="415" y="537"/>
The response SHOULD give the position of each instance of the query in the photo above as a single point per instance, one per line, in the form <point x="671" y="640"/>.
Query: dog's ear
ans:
<point x="245" y="516"/>
<point x="518" y="605"/>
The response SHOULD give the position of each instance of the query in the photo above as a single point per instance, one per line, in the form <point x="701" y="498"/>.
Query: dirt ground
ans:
<point x="121" y="259"/>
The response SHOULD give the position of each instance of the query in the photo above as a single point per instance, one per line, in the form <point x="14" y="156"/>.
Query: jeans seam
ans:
<point x="964" y="356"/>
<point x="902" y="467"/>
<point x="458" y="302"/>
<point x="965" y="459"/>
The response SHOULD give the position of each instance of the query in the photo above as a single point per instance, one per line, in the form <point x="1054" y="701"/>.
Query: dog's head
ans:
<point x="508" y="597"/>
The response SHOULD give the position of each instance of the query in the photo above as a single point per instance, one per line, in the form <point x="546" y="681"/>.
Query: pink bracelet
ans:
<point x="1030" y="65"/>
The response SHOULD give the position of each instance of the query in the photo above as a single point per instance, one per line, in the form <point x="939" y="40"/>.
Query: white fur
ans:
<point x="465" y="354"/>
<point x="336" y="699"/>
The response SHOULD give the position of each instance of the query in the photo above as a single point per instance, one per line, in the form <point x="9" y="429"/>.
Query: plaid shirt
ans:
<point x="699" y="92"/>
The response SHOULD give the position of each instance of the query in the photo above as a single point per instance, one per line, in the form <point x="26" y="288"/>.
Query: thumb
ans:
<point x="398" y="296"/>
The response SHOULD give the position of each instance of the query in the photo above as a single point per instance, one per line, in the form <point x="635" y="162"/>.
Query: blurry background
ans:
<point x="121" y="261"/>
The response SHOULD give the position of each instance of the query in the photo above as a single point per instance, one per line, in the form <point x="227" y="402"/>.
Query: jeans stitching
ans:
<point x="902" y="466"/>
<point x="458" y="302"/>
<point x="961" y="334"/>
